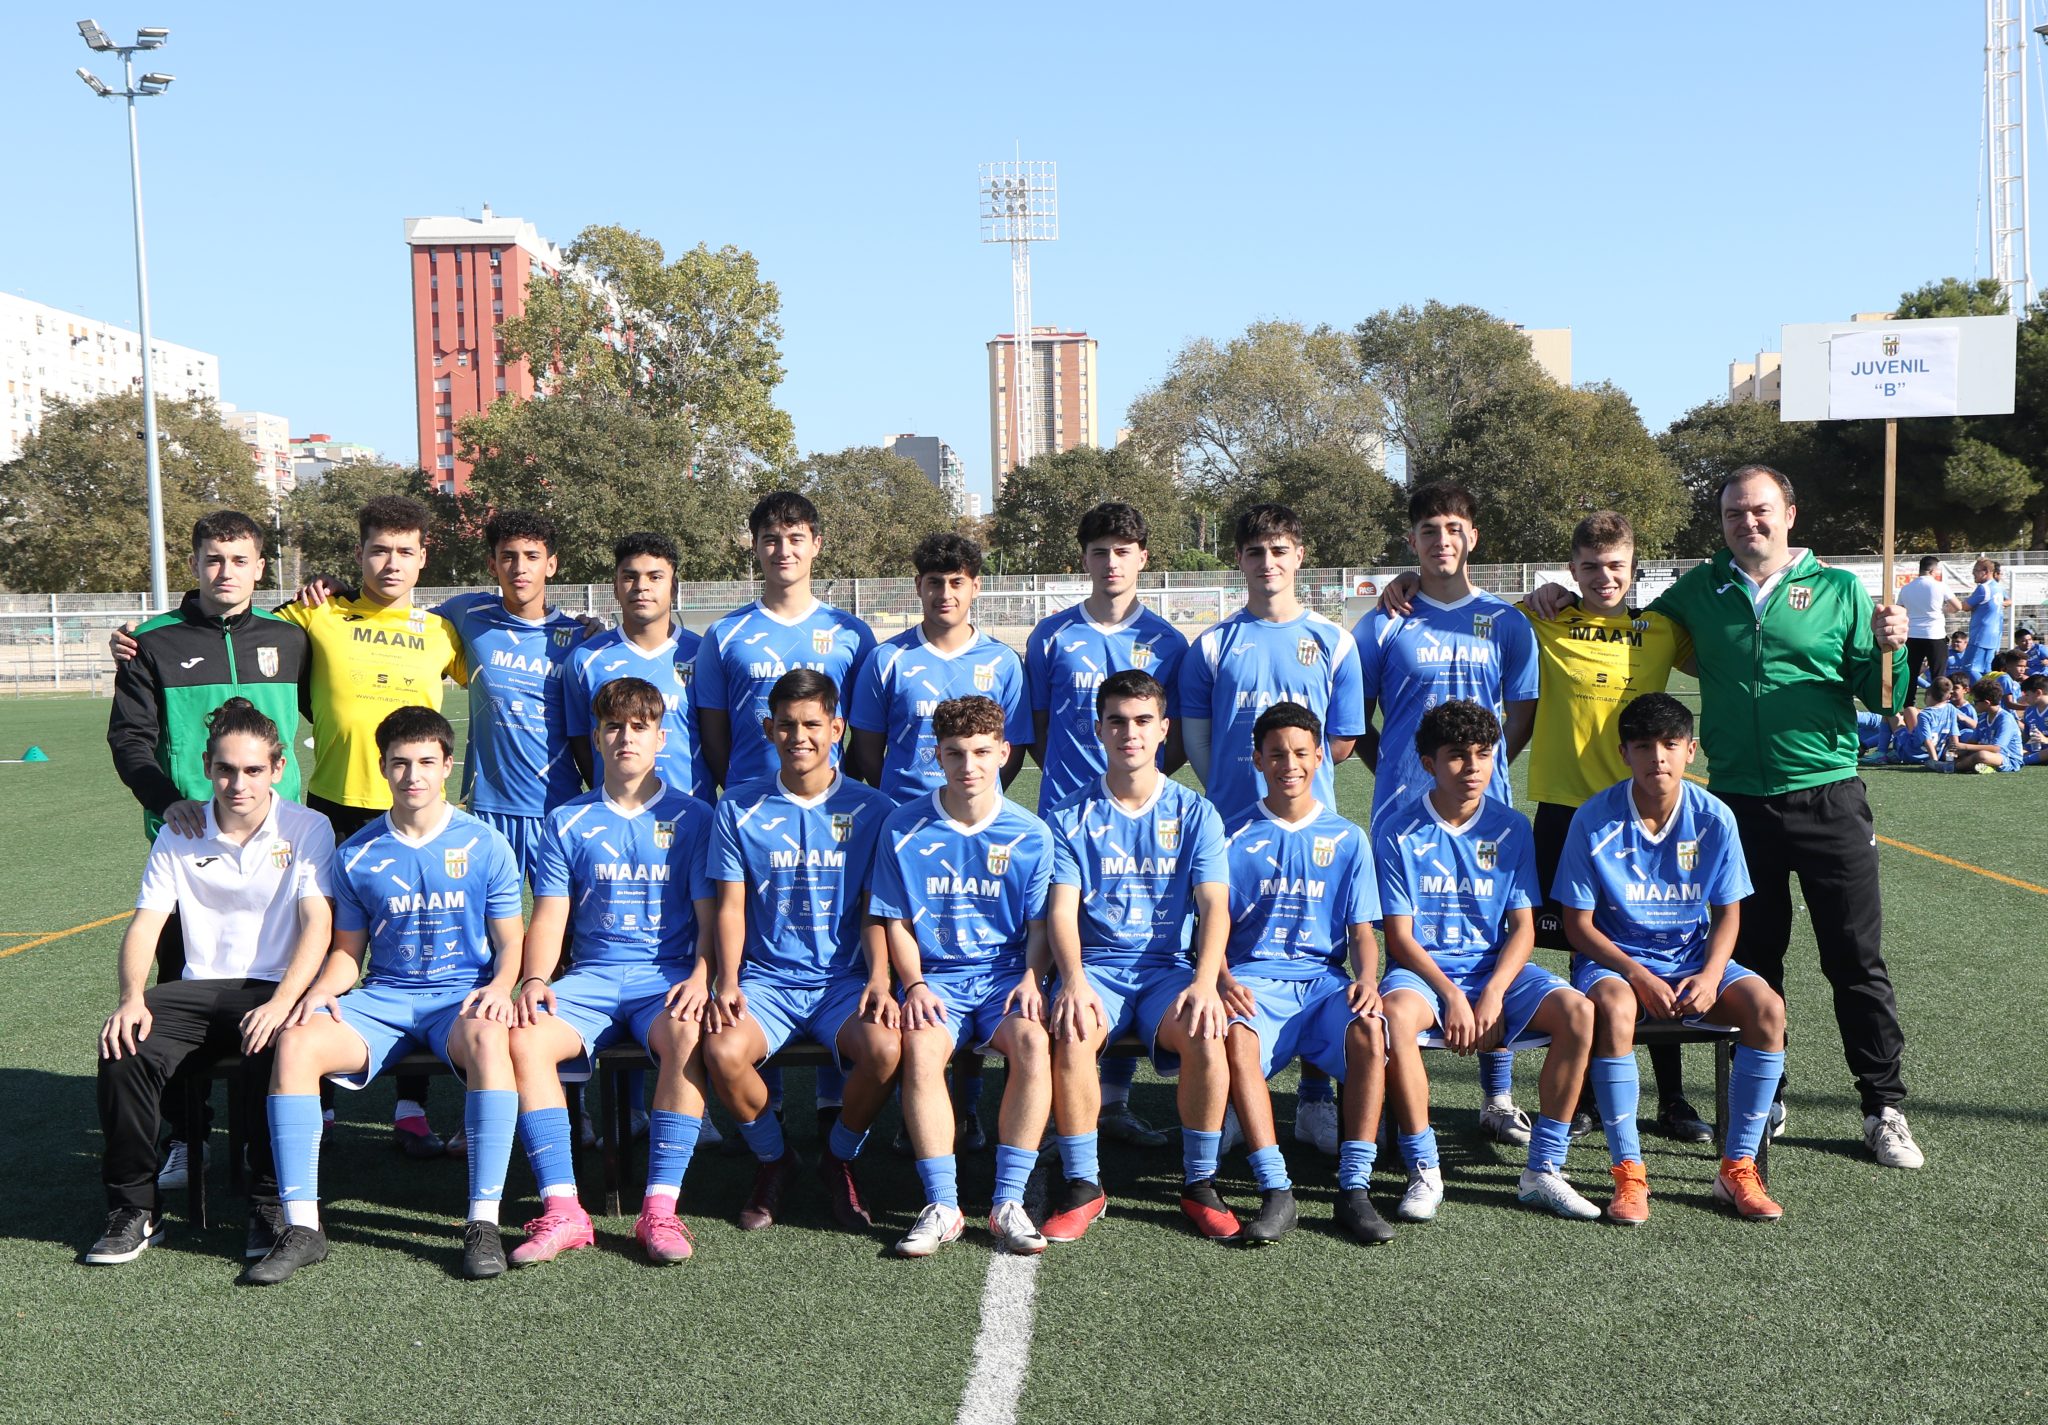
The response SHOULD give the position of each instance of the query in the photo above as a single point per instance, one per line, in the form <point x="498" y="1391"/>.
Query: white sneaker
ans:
<point x="936" y="1225"/>
<point x="177" y="1169"/>
<point x="1777" y="1126"/>
<point x="1552" y="1193"/>
<point x="1424" y="1196"/>
<point x="1233" y="1131"/>
<point x="1504" y="1123"/>
<point x="1012" y="1228"/>
<point x="1316" y="1124"/>
<point x="1886" y="1135"/>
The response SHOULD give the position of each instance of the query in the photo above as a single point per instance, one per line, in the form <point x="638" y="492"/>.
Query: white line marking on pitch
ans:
<point x="1002" y="1350"/>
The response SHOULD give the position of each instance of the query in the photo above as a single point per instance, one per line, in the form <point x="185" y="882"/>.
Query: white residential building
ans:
<point x="46" y="351"/>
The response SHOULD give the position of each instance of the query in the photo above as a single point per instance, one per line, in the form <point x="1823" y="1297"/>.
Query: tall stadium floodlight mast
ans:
<point x="2005" y="134"/>
<point x="148" y="86"/>
<point x="1020" y="206"/>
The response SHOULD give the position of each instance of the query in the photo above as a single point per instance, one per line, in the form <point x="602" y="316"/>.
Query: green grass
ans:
<point x="1883" y="1296"/>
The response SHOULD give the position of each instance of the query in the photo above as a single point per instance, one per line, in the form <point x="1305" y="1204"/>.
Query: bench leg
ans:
<point x="608" y="1116"/>
<point x="239" y="1123"/>
<point x="1724" y="1058"/>
<point x="197" y="1088"/>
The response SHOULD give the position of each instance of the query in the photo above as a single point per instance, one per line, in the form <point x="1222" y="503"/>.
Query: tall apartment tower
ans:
<point x="468" y="276"/>
<point x="940" y="464"/>
<point x="47" y="351"/>
<point x="1063" y="384"/>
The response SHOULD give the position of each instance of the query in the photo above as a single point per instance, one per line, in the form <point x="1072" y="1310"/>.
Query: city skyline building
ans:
<point x="46" y="351"/>
<point x="940" y="463"/>
<point x="314" y="455"/>
<point x="1062" y="385"/>
<point x="269" y="438"/>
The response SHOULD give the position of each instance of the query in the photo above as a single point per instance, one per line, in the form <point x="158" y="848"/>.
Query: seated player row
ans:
<point x="971" y="903"/>
<point x="1993" y="725"/>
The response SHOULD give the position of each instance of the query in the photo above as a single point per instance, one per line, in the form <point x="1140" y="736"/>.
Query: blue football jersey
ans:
<point x="805" y="863"/>
<point x="2008" y="688"/>
<point x="427" y="907"/>
<point x="746" y="651"/>
<point x="969" y="892"/>
<point x="1065" y="661"/>
<point x="2037" y="658"/>
<point x="1238" y="668"/>
<point x="517" y="760"/>
<point x="906" y="678"/>
<point x="2032" y="720"/>
<point x="633" y="878"/>
<point x="672" y="668"/>
<point x="1296" y="889"/>
<point x="2000" y="730"/>
<point x="1456" y="883"/>
<point x="1986" y="603"/>
<point x="1481" y="648"/>
<point x="1650" y="894"/>
<point x="1137" y="871"/>
<point x="1870" y="730"/>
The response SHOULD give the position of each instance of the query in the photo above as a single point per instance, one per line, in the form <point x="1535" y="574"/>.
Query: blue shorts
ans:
<point x="523" y="832"/>
<point x="1518" y="1006"/>
<point x="1980" y="656"/>
<point x="817" y="1013"/>
<point x="393" y="1021"/>
<point x="601" y="1002"/>
<point x="2038" y="757"/>
<point x="974" y="1004"/>
<point x="1586" y="974"/>
<point x="1305" y="1018"/>
<point x="1135" y="998"/>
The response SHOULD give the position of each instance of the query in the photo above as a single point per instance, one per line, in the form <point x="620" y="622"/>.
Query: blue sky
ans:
<point x="1671" y="182"/>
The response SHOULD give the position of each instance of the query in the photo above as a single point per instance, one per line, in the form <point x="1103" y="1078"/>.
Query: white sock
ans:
<point x="302" y="1214"/>
<point x="406" y="1108"/>
<point x="482" y="1211"/>
<point x="1504" y="1102"/>
<point x="553" y="1190"/>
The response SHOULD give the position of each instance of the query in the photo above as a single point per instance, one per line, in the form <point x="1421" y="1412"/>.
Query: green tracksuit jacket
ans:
<point x="1778" y="689"/>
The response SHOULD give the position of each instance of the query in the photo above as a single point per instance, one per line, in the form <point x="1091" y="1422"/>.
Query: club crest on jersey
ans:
<point x="686" y="673"/>
<point x="1688" y="856"/>
<point x="984" y="676"/>
<point x="998" y="860"/>
<point x="1141" y="655"/>
<point x="561" y="636"/>
<point x="1800" y="597"/>
<point x="1168" y="831"/>
<point x="281" y="855"/>
<point x="822" y="640"/>
<point x="1482" y="625"/>
<point x="455" y="861"/>
<point x="842" y="825"/>
<point x="664" y="835"/>
<point x="266" y="661"/>
<point x="1308" y="652"/>
<point x="417" y="621"/>
<point x="1324" y="851"/>
<point x="1487" y="853"/>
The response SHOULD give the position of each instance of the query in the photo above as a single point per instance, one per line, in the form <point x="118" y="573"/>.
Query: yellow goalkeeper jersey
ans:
<point x="1591" y="667"/>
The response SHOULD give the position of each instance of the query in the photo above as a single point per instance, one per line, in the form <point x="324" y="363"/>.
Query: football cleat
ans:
<point x="1680" y="1121"/>
<point x="562" y="1226"/>
<point x="664" y="1236"/>
<point x="1504" y="1123"/>
<point x="1739" y="1187"/>
<point x="1424" y="1196"/>
<point x="1630" y="1205"/>
<point x="842" y="1193"/>
<point x="1356" y="1215"/>
<point x="1014" y="1231"/>
<point x="936" y="1226"/>
<point x="1553" y="1194"/>
<point x="1080" y="1203"/>
<point x="764" y="1203"/>
<point x="1316" y="1125"/>
<point x="483" y="1250"/>
<point x="1276" y="1217"/>
<point x="418" y="1144"/>
<point x="1203" y="1206"/>
<point x="1118" y="1122"/>
<point x="266" y="1225"/>
<point x="298" y="1247"/>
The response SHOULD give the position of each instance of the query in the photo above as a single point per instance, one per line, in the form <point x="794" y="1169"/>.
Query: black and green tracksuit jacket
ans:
<point x="186" y="664"/>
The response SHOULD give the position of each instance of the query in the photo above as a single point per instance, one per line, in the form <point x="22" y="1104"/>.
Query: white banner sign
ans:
<point x="1889" y="373"/>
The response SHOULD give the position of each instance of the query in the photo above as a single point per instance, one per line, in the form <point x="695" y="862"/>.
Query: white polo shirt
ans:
<point x="239" y="905"/>
<point x="1921" y="598"/>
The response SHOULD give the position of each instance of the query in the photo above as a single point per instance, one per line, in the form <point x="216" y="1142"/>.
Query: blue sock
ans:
<point x="1269" y="1169"/>
<point x="544" y="1133"/>
<point x="831" y="1085"/>
<point x="764" y="1136"/>
<point x="671" y="1141"/>
<point x="1117" y="1072"/>
<point x="1013" y="1170"/>
<point x="1752" y="1081"/>
<point x="1199" y="1151"/>
<point x="1315" y="1087"/>
<point x="295" y="1143"/>
<point x="772" y="1077"/>
<point x="941" y="1179"/>
<point x="1497" y="1074"/>
<point x="1617" y="1088"/>
<point x="1418" y="1150"/>
<point x="1549" y="1141"/>
<point x="488" y="1120"/>
<point x="845" y="1143"/>
<point x="1354" y="1163"/>
<point x="970" y="1092"/>
<point x="1078" y="1158"/>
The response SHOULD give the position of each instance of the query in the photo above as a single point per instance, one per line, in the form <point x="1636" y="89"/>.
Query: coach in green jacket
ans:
<point x="1785" y="647"/>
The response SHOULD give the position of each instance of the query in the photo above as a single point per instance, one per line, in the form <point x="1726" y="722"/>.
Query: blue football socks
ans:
<point x="1418" y="1150"/>
<point x="831" y="1085"/>
<point x="1078" y="1157"/>
<point x="844" y="1142"/>
<point x="1355" y="1158"/>
<point x="1117" y="1072"/>
<point x="544" y="1133"/>
<point x="671" y="1142"/>
<point x="1617" y="1088"/>
<point x="1752" y="1082"/>
<point x="1315" y="1087"/>
<point x="1013" y="1170"/>
<point x="941" y="1179"/>
<point x="1497" y="1074"/>
<point x="1199" y="1151"/>
<point x="764" y="1137"/>
<point x="488" y="1119"/>
<point x="772" y="1077"/>
<point x="1549" y="1141"/>
<point x="295" y="1144"/>
<point x="1269" y="1169"/>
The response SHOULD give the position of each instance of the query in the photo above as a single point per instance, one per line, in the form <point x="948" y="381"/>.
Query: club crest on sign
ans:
<point x="266" y="661"/>
<point x="455" y="861"/>
<point x="1688" y="856"/>
<point x="664" y="835"/>
<point x="822" y="640"/>
<point x="998" y="860"/>
<point x="984" y="676"/>
<point x="1168" y="832"/>
<point x="1324" y="851"/>
<point x="1482" y="625"/>
<point x="842" y="825"/>
<point x="1800" y="596"/>
<point x="281" y="855"/>
<point x="1487" y="853"/>
<point x="1308" y="652"/>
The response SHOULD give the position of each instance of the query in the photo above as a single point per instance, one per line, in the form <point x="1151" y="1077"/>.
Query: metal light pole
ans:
<point x="1019" y="206"/>
<point x="151" y="84"/>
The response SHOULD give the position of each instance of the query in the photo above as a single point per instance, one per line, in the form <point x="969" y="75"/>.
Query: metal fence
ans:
<point x="58" y="642"/>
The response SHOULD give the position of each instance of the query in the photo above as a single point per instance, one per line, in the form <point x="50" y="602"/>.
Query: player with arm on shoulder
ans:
<point x="1066" y="660"/>
<point x="1135" y="854"/>
<point x="1457" y="870"/>
<point x="790" y="857"/>
<point x="427" y="911"/>
<point x="1652" y="882"/>
<point x="1303" y="897"/>
<point x="623" y="870"/>
<point x="959" y="888"/>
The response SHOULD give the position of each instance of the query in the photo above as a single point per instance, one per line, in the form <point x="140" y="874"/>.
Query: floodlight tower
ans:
<point x="1020" y="206"/>
<point x="2005" y="133"/>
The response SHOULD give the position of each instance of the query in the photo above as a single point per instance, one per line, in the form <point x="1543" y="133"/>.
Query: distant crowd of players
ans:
<point x="723" y="871"/>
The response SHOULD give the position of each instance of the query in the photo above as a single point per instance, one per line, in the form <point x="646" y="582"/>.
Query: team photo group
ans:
<point x="784" y="831"/>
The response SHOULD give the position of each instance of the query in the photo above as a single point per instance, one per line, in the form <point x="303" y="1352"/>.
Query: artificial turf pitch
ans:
<point x="1882" y="1296"/>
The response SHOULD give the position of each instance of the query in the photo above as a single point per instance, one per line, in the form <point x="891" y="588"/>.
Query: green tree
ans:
<point x="74" y="509"/>
<point x="874" y="506"/>
<point x="1349" y="511"/>
<point x="1431" y="368"/>
<point x="1710" y="440"/>
<point x="1539" y="458"/>
<point x="1224" y="411"/>
<point x="1953" y="297"/>
<point x="1042" y="503"/>
<point x="1980" y="478"/>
